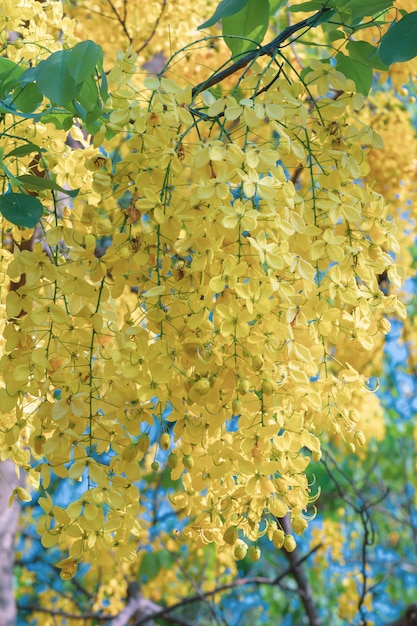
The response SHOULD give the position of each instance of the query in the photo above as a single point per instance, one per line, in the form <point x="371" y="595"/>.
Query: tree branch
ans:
<point x="257" y="580"/>
<point x="158" y="19"/>
<point x="138" y="607"/>
<point x="303" y="584"/>
<point x="267" y="50"/>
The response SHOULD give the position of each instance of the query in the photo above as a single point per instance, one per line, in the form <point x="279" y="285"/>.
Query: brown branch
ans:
<point x="305" y="591"/>
<point x="362" y="509"/>
<point x="121" y="21"/>
<point x="158" y="19"/>
<point x="197" y="589"/>
<point x="241" y="582"/>
<point x="268" y="49"/>
<point x="138" y="607"/>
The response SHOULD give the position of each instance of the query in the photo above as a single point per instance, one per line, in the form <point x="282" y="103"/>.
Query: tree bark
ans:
<point x="305" y="591"/>
<point x="9" y="517"/>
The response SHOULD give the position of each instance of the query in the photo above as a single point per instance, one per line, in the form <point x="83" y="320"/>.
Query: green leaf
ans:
<point x="28" y="76"/>
<point x="324" y="17"/>
<point x="54" y="79"/>
<point x="28" y="99"/>
<point x="149" y="566"/>
<point x="226" y="8"/>
<point x="60" y="119"/>
<point x="400" y="42"/>
<point x="365" y="53"/>
<point x="360" y="8"/>
<point x="64" y="74"/>
<point x="276" y="5"/>
<point x="9" y="74"/>
<point x="88" y="94"/>
<point x="83" y="60"/>
<point x="251" y="22"/>
<point x="152" y="563"/>
<point x="306" y="7"/>
<point x="27" y="148"/>
<point x="357" y="71"/>
<point x="104" y="90"/>
<point x="40" y="184"/>
<point x="8" y="67"/>
<point x="21" y="209"/>
<point x="335" y="35"/>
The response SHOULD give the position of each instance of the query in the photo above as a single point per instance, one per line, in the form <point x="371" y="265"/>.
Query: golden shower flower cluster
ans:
<point x="218" y="250"/>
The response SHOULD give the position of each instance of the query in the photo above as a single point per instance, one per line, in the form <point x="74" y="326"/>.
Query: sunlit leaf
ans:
<point x="248" y="26"/>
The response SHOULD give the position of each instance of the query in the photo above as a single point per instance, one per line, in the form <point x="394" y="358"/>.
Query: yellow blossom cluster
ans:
<point x="219" y="248"/>
<point x="393" y="171"/>
<point x="349" y="598"/>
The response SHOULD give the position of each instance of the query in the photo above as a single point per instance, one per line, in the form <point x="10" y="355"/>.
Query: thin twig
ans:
<point x="158" y="19"/>
<point x="121" y="21"/>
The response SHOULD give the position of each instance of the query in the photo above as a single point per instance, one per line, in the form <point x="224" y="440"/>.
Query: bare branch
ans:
<point x="121" y="21"/>
<point x="158" y="19"/>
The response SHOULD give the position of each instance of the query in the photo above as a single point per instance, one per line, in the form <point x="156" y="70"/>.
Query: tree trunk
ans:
<point x="9" y="518"/>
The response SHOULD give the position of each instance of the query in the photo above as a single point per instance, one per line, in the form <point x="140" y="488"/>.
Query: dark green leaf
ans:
<point x="21" y="209"/>
<point x="93" y="123"/>
<point x="226" y="8"/>
<point x="54" y="79"/>
<point x="104" y="91"/>
<point x="88" y="94"/>
<point x="28" y="99"/>
<point x="28" y="76"/>
<point x="361" y="8"/>
<point x="365" y="53"/>
<point x="39" y="184"/>
<point x="28" y="148"/>
<point x="400" y="42"/>
<point x="83" y="60"/>
<point x="251" y="22"/>
<point x="358" y="72"/>
<point x="78" y="109"/>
